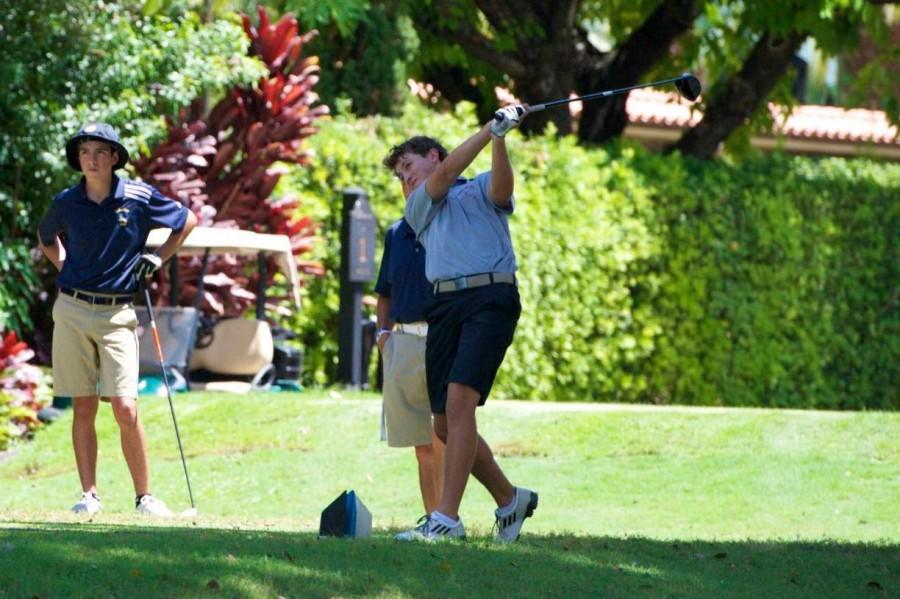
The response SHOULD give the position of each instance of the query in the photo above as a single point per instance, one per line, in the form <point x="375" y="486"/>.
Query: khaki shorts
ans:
<point x="407" y="412"/>
<point x="95" y="349"/>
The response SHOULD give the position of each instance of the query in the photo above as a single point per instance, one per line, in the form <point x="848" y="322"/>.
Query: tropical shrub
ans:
<point x="223" y="165"/>
<point x="23" y="390"/>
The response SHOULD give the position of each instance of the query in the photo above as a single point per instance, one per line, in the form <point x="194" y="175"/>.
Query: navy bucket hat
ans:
<point x="96" y="132"/>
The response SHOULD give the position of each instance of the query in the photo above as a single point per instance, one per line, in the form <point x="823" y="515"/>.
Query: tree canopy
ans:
<point x="743" y="51"/>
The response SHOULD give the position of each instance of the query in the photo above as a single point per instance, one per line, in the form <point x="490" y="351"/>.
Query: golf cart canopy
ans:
<point x="239" y="242"/>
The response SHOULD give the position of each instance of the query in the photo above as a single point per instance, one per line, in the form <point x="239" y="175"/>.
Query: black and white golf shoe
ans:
<point x="430" y="529"/>
<point x="510" y="519"/>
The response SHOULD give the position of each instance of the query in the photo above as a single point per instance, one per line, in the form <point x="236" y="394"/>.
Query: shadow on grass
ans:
<point x="49" y="559"/>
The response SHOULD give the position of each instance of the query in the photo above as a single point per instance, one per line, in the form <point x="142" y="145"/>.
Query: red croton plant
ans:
<point x="224" y="166"/>
<point x="23" y="389"/>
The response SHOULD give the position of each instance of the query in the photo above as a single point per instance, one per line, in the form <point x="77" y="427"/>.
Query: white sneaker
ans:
<point x="430" y="529"/>
<point x="88" y="504"/>
<point x="509" y="523"/>
<point x="152" y="506"/>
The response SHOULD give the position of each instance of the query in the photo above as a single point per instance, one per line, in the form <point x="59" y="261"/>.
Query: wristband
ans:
<point x="380" y="333"/>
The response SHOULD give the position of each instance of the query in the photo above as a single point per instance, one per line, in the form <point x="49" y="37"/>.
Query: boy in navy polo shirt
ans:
<point x="471" y="320"/>
<point x="94" y="233"/>
<point x="406" y="414"/>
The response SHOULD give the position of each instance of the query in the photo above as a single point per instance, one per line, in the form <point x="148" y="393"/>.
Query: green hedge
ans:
<point x="648" y="278"/>
<point x="779" y="283"/>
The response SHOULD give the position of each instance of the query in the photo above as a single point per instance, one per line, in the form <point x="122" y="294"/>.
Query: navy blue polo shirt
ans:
<point x="104" y="241"/>
<point x="402" y="274"/>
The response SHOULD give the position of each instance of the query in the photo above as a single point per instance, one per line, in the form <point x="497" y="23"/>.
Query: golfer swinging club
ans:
<point x="94" y="233"/>
<point x="471" y="319"/>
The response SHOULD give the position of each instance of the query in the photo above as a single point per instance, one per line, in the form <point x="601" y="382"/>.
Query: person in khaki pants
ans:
<point x="94" y="233"/>
<point x="402" y="292"/>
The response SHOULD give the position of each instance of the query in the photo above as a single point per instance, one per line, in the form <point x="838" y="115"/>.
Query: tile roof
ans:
<point x="830" y="122"/>
<point x="807" y="122"/>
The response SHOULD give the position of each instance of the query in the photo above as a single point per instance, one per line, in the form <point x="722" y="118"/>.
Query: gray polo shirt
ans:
<point x="464" y="233"/>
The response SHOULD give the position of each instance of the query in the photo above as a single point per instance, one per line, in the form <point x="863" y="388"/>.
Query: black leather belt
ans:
<point x="97" y="300"/>
<point x="487" y="278"/>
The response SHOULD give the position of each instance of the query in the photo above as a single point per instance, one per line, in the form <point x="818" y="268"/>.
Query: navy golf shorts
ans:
<point x="468" y="333"/>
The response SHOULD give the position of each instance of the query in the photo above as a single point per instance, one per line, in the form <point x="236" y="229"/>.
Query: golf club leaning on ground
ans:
<point x="688" y="86"/>
<point x="192" y="512"/>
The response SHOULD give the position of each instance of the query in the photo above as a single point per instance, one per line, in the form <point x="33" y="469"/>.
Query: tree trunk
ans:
<point x="651" y="42"/>
<point x="537" y="68"/>
<point x="742" y="95"/>
<point x="549" y="56"/>
<point x="545" y="58"/>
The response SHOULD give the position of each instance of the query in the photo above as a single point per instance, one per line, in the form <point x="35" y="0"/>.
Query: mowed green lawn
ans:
<point x="634" y="501"/>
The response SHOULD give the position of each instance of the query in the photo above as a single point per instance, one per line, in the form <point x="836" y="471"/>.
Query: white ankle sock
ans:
<point x="512" y="504"/>
<point x="443" y="519"/>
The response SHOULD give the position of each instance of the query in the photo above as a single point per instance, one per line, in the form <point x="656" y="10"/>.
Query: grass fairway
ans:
<point x="635" y="502"/>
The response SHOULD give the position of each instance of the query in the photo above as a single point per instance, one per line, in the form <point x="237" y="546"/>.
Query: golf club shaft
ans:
<point x="162" y="366"/>
<point x="603" y="94"/>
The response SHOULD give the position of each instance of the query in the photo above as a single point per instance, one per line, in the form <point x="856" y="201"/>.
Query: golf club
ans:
<point x="191" y="513"/>
<point x="688" y="86"/>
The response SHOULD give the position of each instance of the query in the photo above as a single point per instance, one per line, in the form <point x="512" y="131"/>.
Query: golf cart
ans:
<point x="229" y="354"/>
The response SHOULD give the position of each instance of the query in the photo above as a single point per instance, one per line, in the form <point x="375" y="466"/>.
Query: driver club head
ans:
<point x="688" y="86"/>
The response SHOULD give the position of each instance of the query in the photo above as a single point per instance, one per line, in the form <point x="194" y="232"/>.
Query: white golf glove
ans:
<point x="147" y="264"/>
<point x="507" y="118"/>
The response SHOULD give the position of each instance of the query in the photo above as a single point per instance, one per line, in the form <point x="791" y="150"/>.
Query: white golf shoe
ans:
<point x="151" y="506"/>
<point x="431" y="529"/>
<point x="88" y="504"/>
<point x="510" y="519"/>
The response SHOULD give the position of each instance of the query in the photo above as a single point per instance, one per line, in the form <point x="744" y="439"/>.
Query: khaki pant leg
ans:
<point x="117" y="347"/>
<point x="75" y="359"/>
<point x="407" y="411"/>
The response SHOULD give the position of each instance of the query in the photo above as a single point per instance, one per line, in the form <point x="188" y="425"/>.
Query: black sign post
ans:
<point x="357" y="268"/>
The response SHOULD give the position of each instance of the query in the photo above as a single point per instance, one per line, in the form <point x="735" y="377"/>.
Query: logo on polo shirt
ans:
<point x="122" y="213"/>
